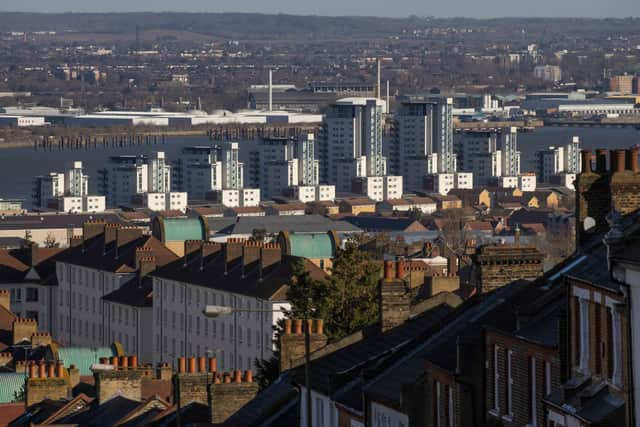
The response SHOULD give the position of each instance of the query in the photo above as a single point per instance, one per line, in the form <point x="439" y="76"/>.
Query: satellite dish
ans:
<point x="589" y="223"/>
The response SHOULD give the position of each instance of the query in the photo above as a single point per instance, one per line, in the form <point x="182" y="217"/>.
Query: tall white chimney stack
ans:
<point x="270" y="90"/>
<point x="378" y="89"/>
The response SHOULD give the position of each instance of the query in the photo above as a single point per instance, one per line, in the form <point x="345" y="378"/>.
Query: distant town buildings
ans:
<point x="350" y="150"/>
<point x="624" y="85"/>
<point x="548" y="73"/>
<point x="286" y="167"/>
<point x="560" y="165"/>
<point x="141" y="180"/>
<point x="66" y="192"/>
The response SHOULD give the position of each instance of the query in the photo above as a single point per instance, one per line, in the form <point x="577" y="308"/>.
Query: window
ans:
<point x="547" y="378"/>
<point x="532" y="393"/>
<point x="32" y="294"/>
<point x="509" y="384"/>
<point x="436" y="406"/>
<point x="496" y="379"/>
<point x="319" y="411"/>
<point x="584" y="334"/>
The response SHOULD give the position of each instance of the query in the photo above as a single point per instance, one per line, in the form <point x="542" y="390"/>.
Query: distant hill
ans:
<point x="246" y="26"/>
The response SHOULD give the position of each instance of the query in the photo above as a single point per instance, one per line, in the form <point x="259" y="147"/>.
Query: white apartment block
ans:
<point x="173" y="200"/>
<point x="560" y="164"/>
<point x="379" y="188"/>
<point x="245" y="197"/>
<point x="442" y="183"/>
<point x="72" y="204"/>
<point x="351" y="145"/>
<point x="66" y="192"/>
<point x="524" y="181"/>
<point x="141" y="180"/>
<point x="180" y="327"/>
<point x="424" y="140"/>
<point x="123" y="177"/>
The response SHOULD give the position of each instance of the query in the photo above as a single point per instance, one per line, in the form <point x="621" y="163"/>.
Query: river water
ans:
<point x="19" y="165"/>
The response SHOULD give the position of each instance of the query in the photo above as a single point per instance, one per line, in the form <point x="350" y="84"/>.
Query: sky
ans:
<point x="391" y="8"/>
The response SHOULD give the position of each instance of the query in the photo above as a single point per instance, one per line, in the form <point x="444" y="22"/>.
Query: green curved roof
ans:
<point x="181" y="229"/>
<point x="84" y="357"/>
<point x="11" y="385"/>
<point x="312" y="245"/>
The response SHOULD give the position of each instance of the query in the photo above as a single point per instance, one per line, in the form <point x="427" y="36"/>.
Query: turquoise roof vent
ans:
<point x="312" y="245"/>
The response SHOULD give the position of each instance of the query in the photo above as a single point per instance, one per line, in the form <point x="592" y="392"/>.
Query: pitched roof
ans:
<point x="92" y="254"/>
<point x="135" y="293"/>
<point x="276" y="224"/>
<point x="211" y="274"/>
<point x="326" y="369"/>
<point x="377" y="223"/>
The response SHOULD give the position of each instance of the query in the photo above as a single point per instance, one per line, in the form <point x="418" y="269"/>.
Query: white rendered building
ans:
<point x="424" y="140"/>
<point x="560" y="165"/>
<point x="66" y="192"/>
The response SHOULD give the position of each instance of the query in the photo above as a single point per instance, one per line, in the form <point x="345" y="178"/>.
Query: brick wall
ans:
<point x="228" y="398"/>
<point x="125" y="381"/>
<point x="24" y="329"/>
<point x="522" y="353"/>
<point x="292" y="348"/>
<point x="497" y="266"/>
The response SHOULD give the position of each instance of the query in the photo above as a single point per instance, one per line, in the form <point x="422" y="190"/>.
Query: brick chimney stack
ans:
<point x="5" y="299"/>
<point x="40" y="338"/>
<point x="232" y="252"/>
<point x="24" y="329"/>
<point x="110" y="233"/>
<point x="270" y="255"/>
<point x="227" y="396"/>
<point x="117" y="377"/>
<point x="395" y="301"/>
<point x="250" y="255"/>
<point x="93" y="228"/>
<point x="292" y="341"/>
<point x="192" y="378"/>
<point x="46" y="382"/>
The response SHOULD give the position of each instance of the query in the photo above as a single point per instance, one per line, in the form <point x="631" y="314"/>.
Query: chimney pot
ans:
<point x="632" y="160"/>
<point x="319" y="326"/>
<point x="297" y="323"/>
<point x="182" y="365"/>
<point x="227" y="378"/>
<point x="617" y="160"/>
<point x="42" y="370"/>
<point x="237" y="376"/>
<point x="133" y="361"/>
<point x="213" y="365"/>
<point x="586" y="161"/>
<point x="114" y="361"/>
<point x="248" y="376"/>
<point x="33" y="371"/>
<point x="52" y="370"/>
<point x="388" y="270"/>
<point x="202" y="364"/>
<point x="192" y="365"/>
<point x="287" y="326"/>
<point x="124" y="361"/>
<point x="104" y="360"/>
<point x="60" y="367"/>
<point x="400" y="269"/>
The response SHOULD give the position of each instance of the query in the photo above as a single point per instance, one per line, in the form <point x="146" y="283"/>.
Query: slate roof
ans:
<point x="266" y="404"/>
<point x="135" y="293"/>
<point x="33" y="222"/>
<point x="211" y="274"/>
<point x="326" y="370"/>
<point x="275" y="224"/>
<point x="92" y="254"/>
<point x="377" y="223"/>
